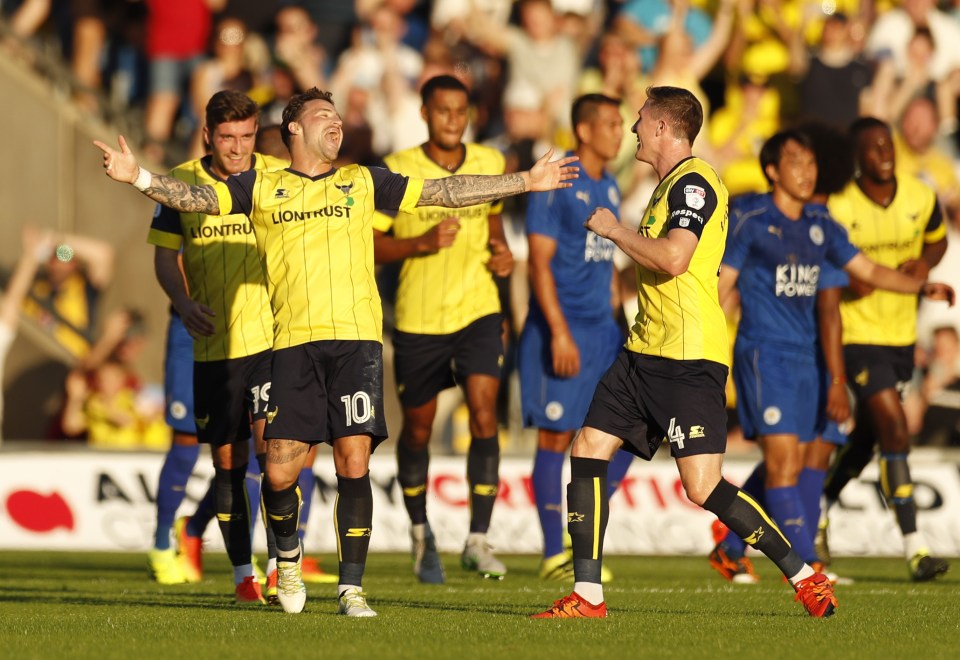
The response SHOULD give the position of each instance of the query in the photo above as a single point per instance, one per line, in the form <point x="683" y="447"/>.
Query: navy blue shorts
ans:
<point x="425" y="365"/>
<point x="778" y="390"/>
<point x="326" y="390"/>
<point x="178" y="378"/>
<point x="560" y="404"/>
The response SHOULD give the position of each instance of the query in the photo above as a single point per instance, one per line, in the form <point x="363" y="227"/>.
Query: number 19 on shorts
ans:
<point x="357" y="408"/>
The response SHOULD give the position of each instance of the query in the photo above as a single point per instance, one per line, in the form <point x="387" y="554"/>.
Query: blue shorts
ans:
<point x="561" y="404"/>
<point x="178" y="378"/>
<point x="778" y="390"/>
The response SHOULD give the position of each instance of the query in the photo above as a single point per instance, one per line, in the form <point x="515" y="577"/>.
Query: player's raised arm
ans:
<point x="470" y="189"/>
<point x="122" y="166"/>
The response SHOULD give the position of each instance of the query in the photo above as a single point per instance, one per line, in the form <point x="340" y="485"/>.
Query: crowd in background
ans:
<point x="755" y="65"/>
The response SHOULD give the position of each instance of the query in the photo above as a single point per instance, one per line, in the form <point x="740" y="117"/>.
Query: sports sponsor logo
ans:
<point x="574" y="517"/>
<point x="597" y="248"/>
<point x="755" y="537"/>
<point x="695" y="196"/>
<point x="358" y="532"/>
<point x="280" y="217"/>
<point x="202" y="422"/>
<point x="281" y="193"/>
<point x="583" y="196"/>
<point x="796" y="280"/>
<point x="270" y="414"/>
<point x="221" y="231"/>
<point x="697" y="432"/>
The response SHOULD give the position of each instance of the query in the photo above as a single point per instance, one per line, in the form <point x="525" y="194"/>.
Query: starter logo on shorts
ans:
<point x="772" y="415"/>
<point x="695" y="196"/>
<point x="202" y="422"/>
<point x="816" y="234"/>
<point x="862" y="378"/>
<point x="697" y="432"/>
<point x="270" y="414"/>
<point x="573" y="517"/>
<point x="178" y="410"/>
<point x="554" y="411"/>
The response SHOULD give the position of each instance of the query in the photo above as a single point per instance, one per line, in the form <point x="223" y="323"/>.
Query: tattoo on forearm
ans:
<point x="469" y="189"/>
<point x="285" y="451"/>
<point x="183" y="197"/>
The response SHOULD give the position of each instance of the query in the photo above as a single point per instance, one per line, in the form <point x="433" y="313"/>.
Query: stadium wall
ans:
<point x="104" y="501"/>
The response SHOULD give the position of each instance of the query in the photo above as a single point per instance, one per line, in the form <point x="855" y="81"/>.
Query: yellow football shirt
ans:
<point x="442" y="293"/>
<point x="315" y="239"/>
<point x="890" y="236"/>
<point x="680" y="317"/>
<point x="222" y="268"/>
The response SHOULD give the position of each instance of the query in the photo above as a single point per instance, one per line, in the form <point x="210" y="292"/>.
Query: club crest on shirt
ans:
<point x="345" y="188"/>
<point x="696" y="197"/>
<point x="816" y="234"/>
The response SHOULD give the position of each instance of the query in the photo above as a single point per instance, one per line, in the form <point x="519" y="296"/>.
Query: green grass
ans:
<point x="96" y="605"/>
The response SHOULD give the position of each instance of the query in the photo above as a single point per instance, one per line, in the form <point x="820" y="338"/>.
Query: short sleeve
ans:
<point x="691" y="203"/>
<point x="235" y="195"/>
<point x="738" y="240"/>
<point x="394" y="192"/>
<point x="935" y="229"/>
<point x="541" y="214"/>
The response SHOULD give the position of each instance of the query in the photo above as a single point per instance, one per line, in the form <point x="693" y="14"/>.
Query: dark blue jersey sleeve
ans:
<point x="241" y="192"/>
<point x="690" y="203"/>
<point x="388" y="189"/>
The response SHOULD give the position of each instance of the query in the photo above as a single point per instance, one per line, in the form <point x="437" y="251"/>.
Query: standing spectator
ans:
<point x="893" y="30"/>
<point x="177" y="33"/>
<point x="643" y="22"/>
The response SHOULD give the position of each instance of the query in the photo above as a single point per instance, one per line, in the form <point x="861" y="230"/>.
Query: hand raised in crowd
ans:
<point x="501" y="258"/>
<point x="550" y="175"/>
<point x="602" y="222"/>
<point x="119" y="165"/>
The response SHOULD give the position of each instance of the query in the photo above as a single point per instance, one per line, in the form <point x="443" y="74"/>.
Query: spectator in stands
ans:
<point x="918" y="154"/>
<point x="893" y="30"/>
<point x="894" y="87"/>
<point x="643" y="22"/>
<point x="35" y="244"/>
<point x="831" y="79"/>
<point x="296" y="47"/>
<point x="177" y="33"/>
<point x="934" y="407"/>
<point x="63" y="297"/>
<point x="538" y="55"/>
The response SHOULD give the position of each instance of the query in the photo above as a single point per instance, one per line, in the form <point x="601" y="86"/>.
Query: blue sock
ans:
<point x="810" y="484"/>
<point x="176" y="470"/>
<point x="206" y="510"/>
<point x="753" y="486"/>
<point x="307" y="484"/>
<point x="618" y="470"/>
<point x="786" y="507"/>
<point x="548" y="493"/>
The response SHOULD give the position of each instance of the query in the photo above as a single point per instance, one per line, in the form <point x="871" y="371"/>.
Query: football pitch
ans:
<point x="100" y="605"/>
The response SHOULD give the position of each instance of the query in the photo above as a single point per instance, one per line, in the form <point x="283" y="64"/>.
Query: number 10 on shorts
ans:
<point x="357" y="408"/>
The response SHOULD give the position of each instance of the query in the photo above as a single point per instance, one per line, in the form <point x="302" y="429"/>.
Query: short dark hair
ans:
<point x="831" y="147"/>
<point x="294" y="109"/>
<point x="680" y="107"/>
<point x="585" y="107"/>
<point x="863" y="124"/>
<point x="230" y="105"/>
<point x="436" y="83"/>
<point x="772" y="150"/>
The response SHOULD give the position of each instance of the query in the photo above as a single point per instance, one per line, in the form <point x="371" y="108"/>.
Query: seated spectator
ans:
<point x="105" y="402"/>
<point x="63" y="297"/>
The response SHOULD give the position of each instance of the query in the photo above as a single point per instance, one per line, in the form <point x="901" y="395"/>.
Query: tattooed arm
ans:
<point x="122" y="166"/>
<point x="470" y="189"/>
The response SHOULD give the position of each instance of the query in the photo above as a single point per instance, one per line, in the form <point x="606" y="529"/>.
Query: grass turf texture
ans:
<point x="96" y="605"/>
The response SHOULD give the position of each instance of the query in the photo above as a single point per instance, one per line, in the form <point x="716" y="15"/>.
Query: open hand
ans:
<point x="939" y="291"/>
<point x="550" y="175"/>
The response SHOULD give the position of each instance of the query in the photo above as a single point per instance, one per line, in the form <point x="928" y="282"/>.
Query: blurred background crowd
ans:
<point x="150" y="66"/>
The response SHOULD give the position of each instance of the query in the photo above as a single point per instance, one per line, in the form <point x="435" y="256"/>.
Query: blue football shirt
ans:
<point x="582" y="265"/>
<point x="781" y="262"/>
